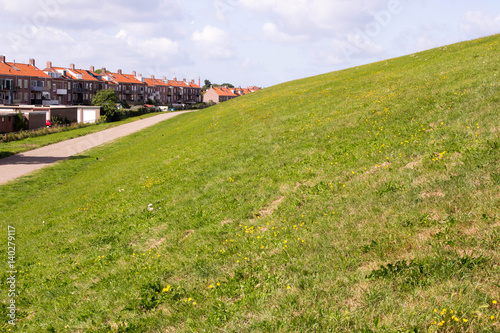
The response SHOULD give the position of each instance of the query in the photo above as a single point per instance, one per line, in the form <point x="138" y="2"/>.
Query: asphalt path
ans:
<point x="15" y="166"/>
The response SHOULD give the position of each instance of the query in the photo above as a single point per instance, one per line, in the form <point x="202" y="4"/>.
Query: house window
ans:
<point x="26" y="95"/>
<point x="69" y="98"/>
<point x="26" y="85"/>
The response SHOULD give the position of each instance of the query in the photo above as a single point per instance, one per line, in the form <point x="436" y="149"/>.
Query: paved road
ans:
<point x="19" y="165"/>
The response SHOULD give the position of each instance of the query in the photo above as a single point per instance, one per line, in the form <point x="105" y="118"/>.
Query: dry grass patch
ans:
<point x="435" y="194"/>
<point x="186" y="236"/>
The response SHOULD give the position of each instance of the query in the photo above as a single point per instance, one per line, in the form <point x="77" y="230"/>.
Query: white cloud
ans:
<point x="311" y="16"/>
<point x="272" y="33"/>
<point x="478" y="24"/>
<point x="97" y="14"/>
<point x="213" y="42"/>
<point x="162" y="48"/>
<point x="32" y="40"/>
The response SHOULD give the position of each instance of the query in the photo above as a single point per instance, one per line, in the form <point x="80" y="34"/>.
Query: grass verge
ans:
<point x="21" y="146"/>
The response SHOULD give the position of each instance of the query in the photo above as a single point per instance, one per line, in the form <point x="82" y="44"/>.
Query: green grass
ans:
<point x="20" y="146"/>
<point x="365" y="200"/>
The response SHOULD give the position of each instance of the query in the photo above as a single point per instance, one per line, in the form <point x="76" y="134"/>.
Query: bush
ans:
<point x="39" y="132"/>
<point x="60" y="121"/>
<point x="20" y="122"/>
<point x="107" y="100"/>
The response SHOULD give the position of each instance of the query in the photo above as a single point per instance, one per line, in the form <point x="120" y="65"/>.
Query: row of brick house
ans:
<point x="22" y="84"/>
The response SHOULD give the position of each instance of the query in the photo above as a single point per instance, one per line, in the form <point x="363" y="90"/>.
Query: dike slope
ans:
<point x="364" y="200"/>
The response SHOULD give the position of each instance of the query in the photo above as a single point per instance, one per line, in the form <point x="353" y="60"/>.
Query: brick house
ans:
<point x="106" y="80"/>
<point x="7" y="80"/>
<point x="60" y="86"/>
<point x="84" y="85"/>
<point x="218" y="95"/>
<point x="157" y="90"/>
<point x="194" y="93"/>
<point x="22" y="83"/>
<point x="25" y="84"/>
<point x="131" y="87"/>
<point x="182" y="92"/>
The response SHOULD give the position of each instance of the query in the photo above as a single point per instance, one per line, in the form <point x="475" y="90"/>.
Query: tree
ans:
<point x="107" y="100"/>
<point x="207" y="85"/>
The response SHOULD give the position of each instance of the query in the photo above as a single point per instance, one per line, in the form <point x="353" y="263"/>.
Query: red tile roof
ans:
<point x="242" y="91"/>
<point x="124" y="78"/>
<point x="133" y="79"/>
<point x="54" y="70"/>
<point x="178" y="84"/>
<point x="7" y="70"/>
<point x="22" y="70"/>
<point x="73" y="74"/>
<point x="155" y="82"/>
<point x="221" y="91"/>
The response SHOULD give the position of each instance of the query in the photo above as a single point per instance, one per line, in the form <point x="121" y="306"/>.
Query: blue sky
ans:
<point x="244" y="42"/>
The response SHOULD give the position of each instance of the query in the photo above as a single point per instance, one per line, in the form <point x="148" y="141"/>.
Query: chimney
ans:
<point x="49" y="64"/>
<point x="92" y="68"/>
<point x="120" y="71"/>
<point x="152" y="77"/>
<point x="164" y="78"/>
<point x="72" y="66"/>
<point x="174" y="79"/>
<point x="134" y="73"/>
<point x="103" y="70"/>
<point x="184" y="80"/>
<point x="192" y="81"/>
<point x="2" y="59"/>
<point x="32" y="62"/>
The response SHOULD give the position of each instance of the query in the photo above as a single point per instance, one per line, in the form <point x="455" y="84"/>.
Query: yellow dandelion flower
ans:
<point x="210" y="286"/>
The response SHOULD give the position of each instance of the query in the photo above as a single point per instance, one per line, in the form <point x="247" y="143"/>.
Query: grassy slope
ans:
<point x="275" y="211"/>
